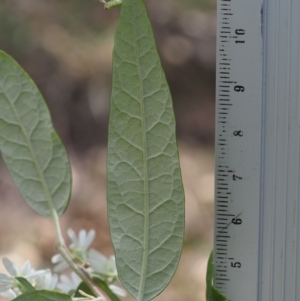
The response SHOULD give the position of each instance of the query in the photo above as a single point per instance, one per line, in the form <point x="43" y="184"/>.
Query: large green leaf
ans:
<point x="43" y="295"/>
<point x="33" y="153"/>
<point x="145" y="193"/>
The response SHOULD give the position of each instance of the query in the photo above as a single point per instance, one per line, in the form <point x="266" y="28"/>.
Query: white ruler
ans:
<point x="257" y="211"/>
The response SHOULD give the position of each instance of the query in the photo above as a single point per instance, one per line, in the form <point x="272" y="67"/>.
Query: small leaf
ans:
<point x="212" y="294"/>
<point x="34" y="155"/>
<point x="26" y="285"/>
<point x="108" y="4"/>
<point x="43" y="295"/>
<point x="83" y="287"/>
<point x="145" y="192"/>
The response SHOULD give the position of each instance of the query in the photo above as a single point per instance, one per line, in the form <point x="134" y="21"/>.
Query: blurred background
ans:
<point x="66" y="47"/>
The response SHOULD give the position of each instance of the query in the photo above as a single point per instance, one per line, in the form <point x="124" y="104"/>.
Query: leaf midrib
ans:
<point x="146" y="188"/>
<point x="34" y="159"/>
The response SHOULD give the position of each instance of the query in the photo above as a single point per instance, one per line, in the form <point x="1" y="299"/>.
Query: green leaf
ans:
<point x="43" y="295"/>
<point x="145" y="192"/>
<point x="212" y="294"/>
<point x="83" y="287"/>
<point x="33" y="153"/>
<point x="26" y="286"/>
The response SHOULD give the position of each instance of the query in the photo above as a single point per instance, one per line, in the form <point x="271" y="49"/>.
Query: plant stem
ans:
<point x="80" y="271"/>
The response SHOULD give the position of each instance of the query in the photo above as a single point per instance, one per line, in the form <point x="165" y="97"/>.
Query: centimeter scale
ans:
<point x="257" y="210"/>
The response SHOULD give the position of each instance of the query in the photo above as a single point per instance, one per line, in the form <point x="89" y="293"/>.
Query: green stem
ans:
<point x="80" y="271"/>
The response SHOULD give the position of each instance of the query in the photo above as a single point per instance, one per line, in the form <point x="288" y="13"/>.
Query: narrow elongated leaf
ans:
<point x="43" y="295"/>
<point x="145" y="193"/>
<point x="33" y="153"/>
<point x="26" y="286"/>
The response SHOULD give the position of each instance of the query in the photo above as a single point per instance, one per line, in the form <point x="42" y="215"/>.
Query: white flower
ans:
<point x="84" y="239"/>
<point x="47" y="280"/>
<point x="78" y="248"/>
<point x="9" y="285"/>
<point x="26" y="271"/>
<point x="67" y="284"/>
<point x="102" y="265"/>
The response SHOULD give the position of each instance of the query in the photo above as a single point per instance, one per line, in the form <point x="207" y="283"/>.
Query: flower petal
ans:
<point x="72" y="235"/>
<point x="56" y="258"/>
<point x="97" y="260"/>
<point x="47" y="280"/>
<point x="60" y="267"/>
<point x="111" y="266"/>
<point x="75" y="278"/>
<point x="66" y="280"/>
<point x="10" y="267"/>
<point x="26" y="268"/>
<point x="54" y="282"/>
<point x="117" y="290"/>
<point x="34" y="273"/>
<point x="89" y="238"/>
<point x="10" y="294"/>
<point x="4" y="277"/>
<point x="66" y="285"/>
<point x="6" y="287"/>
<point x="81" y="238"/>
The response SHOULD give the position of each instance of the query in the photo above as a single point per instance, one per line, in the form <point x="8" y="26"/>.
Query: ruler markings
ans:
<point x="232" y="34"/>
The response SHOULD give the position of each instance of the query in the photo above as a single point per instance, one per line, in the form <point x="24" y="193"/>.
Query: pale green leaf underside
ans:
<point x="145" y="193"/>
<point x="33" y="153"/>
